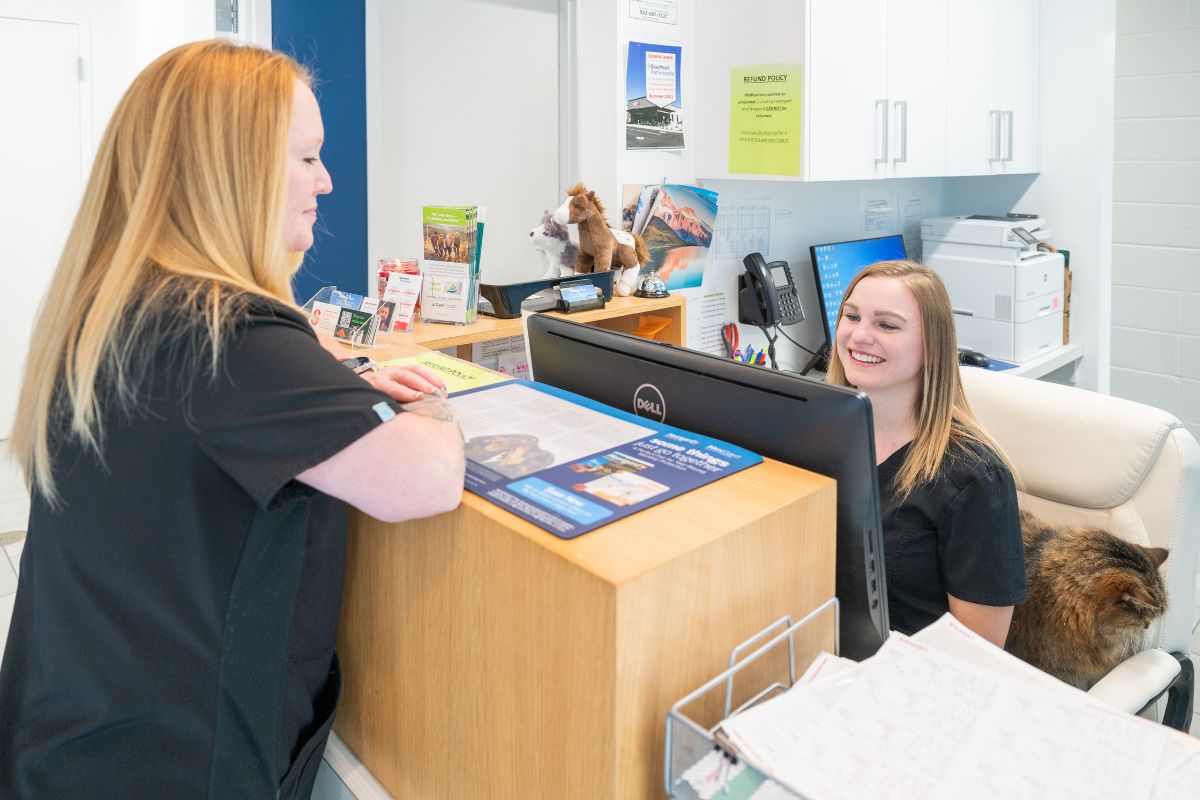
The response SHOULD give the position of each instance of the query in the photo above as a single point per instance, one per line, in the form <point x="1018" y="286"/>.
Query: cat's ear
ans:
<point x="1122" y="590"/>
<point x="1157" y="555"/>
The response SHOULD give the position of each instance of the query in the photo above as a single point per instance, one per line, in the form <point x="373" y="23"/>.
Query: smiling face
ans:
<point x="879" y="338"/>
<point x="307" y="176"/>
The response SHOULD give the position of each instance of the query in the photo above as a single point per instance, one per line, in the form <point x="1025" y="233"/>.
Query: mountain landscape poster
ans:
<point x="678" y="233"/>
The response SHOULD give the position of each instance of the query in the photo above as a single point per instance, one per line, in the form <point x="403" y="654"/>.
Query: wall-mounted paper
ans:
<point x="765" y="119"/>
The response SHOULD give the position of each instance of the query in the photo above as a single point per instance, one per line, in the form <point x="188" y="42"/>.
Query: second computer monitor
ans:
<point x="836" y="264"/>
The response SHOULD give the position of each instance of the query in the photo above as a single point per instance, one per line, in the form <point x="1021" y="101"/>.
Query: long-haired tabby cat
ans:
<point x="1091" y="596"/>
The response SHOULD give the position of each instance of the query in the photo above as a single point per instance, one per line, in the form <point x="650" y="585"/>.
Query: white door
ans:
<point x="916" y="86"/>
<point x="1017" y="85"/>
<point x="847" y="110"/>
<point x="972" y="107"/>
<point x="42" y="163"/>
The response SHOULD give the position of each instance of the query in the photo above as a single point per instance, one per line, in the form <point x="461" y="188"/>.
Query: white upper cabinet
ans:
<point x="893" y="88"/>
<point x="846" y="121"/>
<point x="992" y="68"/>
<point x="877" y="84"/>
<point x="916" y="82"/>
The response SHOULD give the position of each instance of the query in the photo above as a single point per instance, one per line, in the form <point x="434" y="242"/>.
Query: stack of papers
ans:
<point x="946" y="714"/>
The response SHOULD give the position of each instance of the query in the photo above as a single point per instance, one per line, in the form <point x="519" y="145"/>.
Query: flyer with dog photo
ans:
<point x="570" y="465"/>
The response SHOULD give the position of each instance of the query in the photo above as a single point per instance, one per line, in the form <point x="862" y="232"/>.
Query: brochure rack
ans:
<point x="688" y="742"/>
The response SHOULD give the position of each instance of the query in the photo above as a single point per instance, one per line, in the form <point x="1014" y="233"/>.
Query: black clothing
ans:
<point x="959" y="534"/>
<point x="175" y="619"/>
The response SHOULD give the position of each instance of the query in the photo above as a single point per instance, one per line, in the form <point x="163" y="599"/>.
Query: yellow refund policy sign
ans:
<point x="765" y="119"/>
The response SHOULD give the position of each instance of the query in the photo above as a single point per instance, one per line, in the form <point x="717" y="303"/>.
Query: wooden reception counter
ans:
<point x="484" y="657"/>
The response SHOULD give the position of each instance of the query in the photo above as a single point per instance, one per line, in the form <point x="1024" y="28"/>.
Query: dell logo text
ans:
<point x="648" y="402"/>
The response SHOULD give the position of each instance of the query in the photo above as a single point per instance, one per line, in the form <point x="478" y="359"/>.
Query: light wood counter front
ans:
<point x="622" y="314"/>
<point x="485" y="658"/>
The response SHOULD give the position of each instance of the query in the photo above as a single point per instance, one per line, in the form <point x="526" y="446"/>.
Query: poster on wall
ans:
<point x="764" y="119"/>
<point x="653" y="97"/>
<point x="664" y="11"/>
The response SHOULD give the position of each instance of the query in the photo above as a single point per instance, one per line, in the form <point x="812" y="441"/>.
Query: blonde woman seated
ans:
<point x="191" y="449"/>
<point x="951" y="527"/>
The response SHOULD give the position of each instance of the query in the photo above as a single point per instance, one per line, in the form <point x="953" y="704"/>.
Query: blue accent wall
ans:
<point x="329" y="37"/>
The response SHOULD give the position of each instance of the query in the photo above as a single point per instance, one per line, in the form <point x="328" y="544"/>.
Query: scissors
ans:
<point x="729" y="333"/>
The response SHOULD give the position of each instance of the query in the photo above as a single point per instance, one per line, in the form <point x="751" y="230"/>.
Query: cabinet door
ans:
<point x="848" y="109"/>
<point x="1017" y="85"/>
<point x="972" y="105"/>
<point x="916" y="84"/>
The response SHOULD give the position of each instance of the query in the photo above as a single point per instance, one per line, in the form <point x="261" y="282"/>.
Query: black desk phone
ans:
<point x="767" y="293"/>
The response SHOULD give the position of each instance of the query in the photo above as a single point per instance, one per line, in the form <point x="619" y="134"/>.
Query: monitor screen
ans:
<point x="823" y="428"/>
<point x="835" y="265"/>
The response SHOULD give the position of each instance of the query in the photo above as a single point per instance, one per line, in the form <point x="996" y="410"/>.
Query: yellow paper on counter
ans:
<point x="459" y="375"/>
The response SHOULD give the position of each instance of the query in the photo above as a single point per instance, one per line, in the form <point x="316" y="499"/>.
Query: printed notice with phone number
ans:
<point x="665" y="11"/>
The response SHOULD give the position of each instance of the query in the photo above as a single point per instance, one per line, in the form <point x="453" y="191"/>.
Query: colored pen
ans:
<point x="737" y="354"/>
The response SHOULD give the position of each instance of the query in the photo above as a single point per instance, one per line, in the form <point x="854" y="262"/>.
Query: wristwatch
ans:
<point x="360" y="364"/>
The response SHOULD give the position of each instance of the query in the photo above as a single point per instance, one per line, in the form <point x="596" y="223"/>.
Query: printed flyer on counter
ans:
<point x="570" y="465"/>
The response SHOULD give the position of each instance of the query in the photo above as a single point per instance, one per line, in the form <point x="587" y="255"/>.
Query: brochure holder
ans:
<point x="688" y="741"/>
<point x="505" y="299"/>
<point x="360" y="332"/>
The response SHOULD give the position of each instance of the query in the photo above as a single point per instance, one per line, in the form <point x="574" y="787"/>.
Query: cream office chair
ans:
<point x="1090" y="459"/>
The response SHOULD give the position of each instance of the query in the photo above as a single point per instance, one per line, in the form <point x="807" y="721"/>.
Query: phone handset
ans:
<point x="767" y="293"/>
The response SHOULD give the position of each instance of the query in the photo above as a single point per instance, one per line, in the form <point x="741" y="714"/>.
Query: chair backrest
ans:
<point x="1084" y="458"/>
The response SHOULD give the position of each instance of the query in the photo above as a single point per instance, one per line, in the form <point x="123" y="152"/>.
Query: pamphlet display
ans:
<point x="453" y="237"/>
<point x="570" y="465"/>
<point x="346" y="316"/>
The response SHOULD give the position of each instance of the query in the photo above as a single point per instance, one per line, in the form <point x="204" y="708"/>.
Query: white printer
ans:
<point x="1007" y="294"/>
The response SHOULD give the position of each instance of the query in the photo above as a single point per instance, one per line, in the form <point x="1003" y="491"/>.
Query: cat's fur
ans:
<point x="1091" y="596"/>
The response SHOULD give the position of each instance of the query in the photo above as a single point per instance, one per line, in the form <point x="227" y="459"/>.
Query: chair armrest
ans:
<point x="1138" y="680"/>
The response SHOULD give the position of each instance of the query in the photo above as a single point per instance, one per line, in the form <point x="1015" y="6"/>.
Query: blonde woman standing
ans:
<point x="951" y="527"/>
<point x="191" y="449"/>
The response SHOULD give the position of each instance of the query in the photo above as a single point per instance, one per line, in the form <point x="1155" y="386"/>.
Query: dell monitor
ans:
<point x="834" y="266"/>
<point x="822" y="428"/>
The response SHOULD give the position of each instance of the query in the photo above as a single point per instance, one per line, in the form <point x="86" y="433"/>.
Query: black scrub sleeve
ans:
<point x="979" y="542"/>
<point x="280" y="405"/>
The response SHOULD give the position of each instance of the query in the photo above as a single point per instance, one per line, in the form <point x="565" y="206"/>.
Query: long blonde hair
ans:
<point x="944" y="417"/>
<point x="184" y="204"/>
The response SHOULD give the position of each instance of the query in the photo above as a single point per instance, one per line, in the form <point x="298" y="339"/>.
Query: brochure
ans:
<point x="570" y="465"/>
<point x="459" y="375"/>
<point x="452" y="238"/>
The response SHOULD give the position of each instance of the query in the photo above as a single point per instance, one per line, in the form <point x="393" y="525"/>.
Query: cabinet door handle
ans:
<point x="902" y="107"/>
<point x="1009" y="148"/>
<point x="881" y="111"/>
<point x="994" y="133"/>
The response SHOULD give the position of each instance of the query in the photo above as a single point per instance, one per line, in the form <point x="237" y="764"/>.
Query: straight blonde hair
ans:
<point x="182" y="218"/>
<point x="944" y="418"/>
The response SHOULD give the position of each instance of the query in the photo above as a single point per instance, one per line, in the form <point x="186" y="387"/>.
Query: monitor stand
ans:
<point x="819" y="360"/>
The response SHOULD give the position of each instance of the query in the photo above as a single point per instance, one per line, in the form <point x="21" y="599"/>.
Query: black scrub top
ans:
<point x="175" y="619"/>
<point x="958" y="534"/>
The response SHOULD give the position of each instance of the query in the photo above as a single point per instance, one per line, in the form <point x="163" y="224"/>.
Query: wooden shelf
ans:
<point x="621" y="314"/>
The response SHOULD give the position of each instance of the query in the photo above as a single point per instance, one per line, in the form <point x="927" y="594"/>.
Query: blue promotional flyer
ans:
<point x="570" y="465"/>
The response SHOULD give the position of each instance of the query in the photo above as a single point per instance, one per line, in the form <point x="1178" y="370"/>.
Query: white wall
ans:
<point x="462" y="108"/>
<point x="1156" y="207"/>
<point x="126" y="35"/>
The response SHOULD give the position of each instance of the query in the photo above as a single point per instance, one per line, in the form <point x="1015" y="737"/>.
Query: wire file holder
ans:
<point x="687" y="741"/>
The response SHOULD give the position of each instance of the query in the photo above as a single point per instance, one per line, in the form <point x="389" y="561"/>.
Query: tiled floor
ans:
<point x="14" y="513"/>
